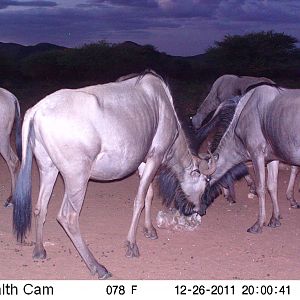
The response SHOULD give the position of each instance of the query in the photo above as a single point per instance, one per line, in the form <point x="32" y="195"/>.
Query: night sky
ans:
<point x="177" y="27"/>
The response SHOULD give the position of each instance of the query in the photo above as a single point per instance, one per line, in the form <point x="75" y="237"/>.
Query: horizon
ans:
<point x="47" y="43"/>
<point x="175" y="27"/>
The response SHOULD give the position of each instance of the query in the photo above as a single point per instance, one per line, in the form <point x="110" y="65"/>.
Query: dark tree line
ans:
<point x="268" y="54"/>
<point x="35" y="71"/>
<point x="257" y="54"/>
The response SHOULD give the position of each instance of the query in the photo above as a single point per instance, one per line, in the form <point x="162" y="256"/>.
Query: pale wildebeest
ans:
<point x="224" y="88"/>
<point x="10" y="114"/>
<point x="105" y="132"/>
<point x="219" y="123"/>
<point x="265" y="130"/>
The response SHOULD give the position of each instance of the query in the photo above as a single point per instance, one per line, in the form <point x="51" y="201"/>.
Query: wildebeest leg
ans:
<point x="251" y="184"/>
<point x="12" y="162"/>
<point x="68" y="217"/>
<point x="48" y="176"/>
<point x="260" y="174"/>
<point x="150" y="169"/>
<point x="272" y="188"/>
<point x="149" y="230"/>
<point x="229" y="193"/>
<point x="290" y="189"/>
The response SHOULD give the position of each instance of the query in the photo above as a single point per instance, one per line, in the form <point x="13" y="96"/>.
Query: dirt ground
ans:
<point x="219" y="249"/>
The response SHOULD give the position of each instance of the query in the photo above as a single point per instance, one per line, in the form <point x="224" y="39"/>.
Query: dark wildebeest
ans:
<point x="264" y="129"/>
<point x="105" y="132"/>
<point x="219" y="123"/>
<point x="10" y="113"/>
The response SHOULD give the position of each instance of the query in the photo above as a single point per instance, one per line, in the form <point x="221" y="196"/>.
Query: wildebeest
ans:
<point x="225" y="87"/>
<point x="264" y="129"/>
<point x="10" y="113"/>
<point x="219" y="123"/>
<point x="105" y="132"/>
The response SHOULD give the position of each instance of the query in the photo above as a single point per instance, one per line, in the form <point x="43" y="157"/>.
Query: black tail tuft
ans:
<point x="22" y="198"/>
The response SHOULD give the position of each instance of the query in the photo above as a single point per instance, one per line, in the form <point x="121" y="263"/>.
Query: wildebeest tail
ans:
<point x="22" y="193"/>
<point x="18" y="128"/>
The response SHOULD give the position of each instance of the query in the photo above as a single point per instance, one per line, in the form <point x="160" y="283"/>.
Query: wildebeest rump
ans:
<point x="105" y="132"/>
<point x="224" y="88"/>
<point x="265" y="130"/>
<point x="10" y="113"/>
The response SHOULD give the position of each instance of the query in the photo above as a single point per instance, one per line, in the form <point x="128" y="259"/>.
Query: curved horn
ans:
<point x="212" y="167"/>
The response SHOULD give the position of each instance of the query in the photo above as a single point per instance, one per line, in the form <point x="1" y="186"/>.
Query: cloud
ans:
<point x="6" y="3"/>
<point x="259" y="11"/>
<point x="159" y="8"/>
<point x="175" y="26"/>
<point x="145" y="4"/>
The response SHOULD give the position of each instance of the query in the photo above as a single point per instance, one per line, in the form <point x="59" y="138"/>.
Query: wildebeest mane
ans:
<point x="219" y="122"/>
<point x="211" y="192"/>
<point x="253" y="86"/>
<point x="222" y="120"/>
<point x="171" y="191"/>
<point x="189" y="133"/>
<point x="127" y="77"/>
<point x="140" y="76"/>
<point x="151" y="72"/>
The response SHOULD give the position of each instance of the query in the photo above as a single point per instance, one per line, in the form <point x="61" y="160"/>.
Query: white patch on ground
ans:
<point x="49" y="244"/>
<point x="251" y="196"/>
<point x="171" y="219"/>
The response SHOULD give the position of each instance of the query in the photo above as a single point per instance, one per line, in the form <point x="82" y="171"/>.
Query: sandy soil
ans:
<point x="219" y="249"/>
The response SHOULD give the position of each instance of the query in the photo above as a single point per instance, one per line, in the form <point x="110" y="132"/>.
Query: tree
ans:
<point x="257" y="54"/>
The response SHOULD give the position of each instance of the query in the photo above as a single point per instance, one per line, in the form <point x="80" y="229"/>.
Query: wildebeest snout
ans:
<point x="202" y="209"/>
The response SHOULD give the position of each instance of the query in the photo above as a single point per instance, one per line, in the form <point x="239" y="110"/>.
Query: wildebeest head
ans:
<point x="195" y="183"/>
<point x="216" y="182"/>
<point x="185" y="192"/>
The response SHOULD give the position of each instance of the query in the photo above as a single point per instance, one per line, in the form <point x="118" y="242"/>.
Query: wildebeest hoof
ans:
<point x="39" y="253"/>
<point x="132" y="250"/>
<point x="150" y="233"/>
<point x="230" y="200"/>
<point x="295" y="205"/>
<point x="8" y="202"/>
<point x="252" y="190"/>
<point x="104" y="276"/>
<point x="274" y="222"/>
<point x="256" y="228"/>
<point x="101" y="271"/>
